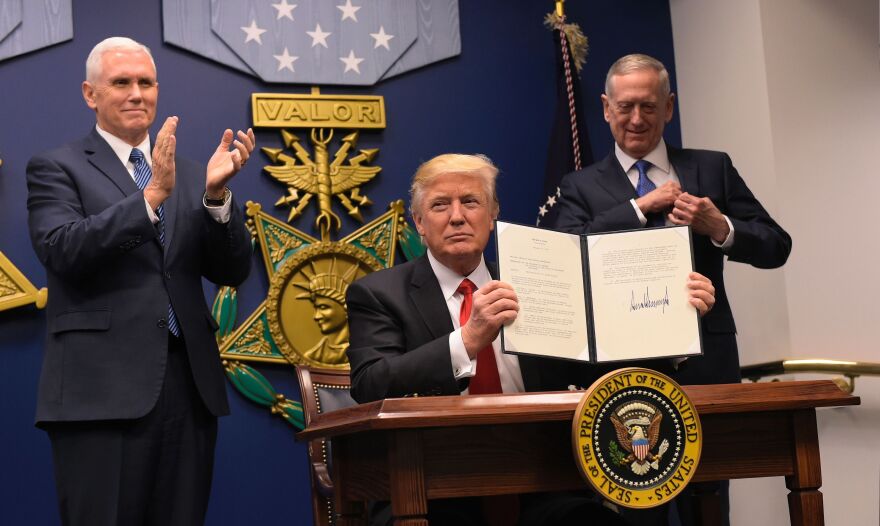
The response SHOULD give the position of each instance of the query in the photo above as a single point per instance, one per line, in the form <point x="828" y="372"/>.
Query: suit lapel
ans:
<point x="101" y="156"/>
<point x="613" y="179"/>
<point x="685" y="169"/>
<point x="427" y="297"/>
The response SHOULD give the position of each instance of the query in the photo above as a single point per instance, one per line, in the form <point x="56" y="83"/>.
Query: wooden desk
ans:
<point x="409" y="450"/>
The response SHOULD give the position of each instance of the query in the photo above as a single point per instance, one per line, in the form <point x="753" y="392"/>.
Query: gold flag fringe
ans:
<point x="577" y="41"/>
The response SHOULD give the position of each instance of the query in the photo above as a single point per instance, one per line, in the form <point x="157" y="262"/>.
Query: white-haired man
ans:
<point x="131" y="384"/>
<point x="645" y="182"/>
<point x="430" y="326"/>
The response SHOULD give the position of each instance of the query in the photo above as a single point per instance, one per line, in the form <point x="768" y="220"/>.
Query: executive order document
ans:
<point x="607" y="297"/>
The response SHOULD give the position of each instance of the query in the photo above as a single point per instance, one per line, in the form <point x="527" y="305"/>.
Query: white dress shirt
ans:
<point x="122" y="149"/>
<point x="660" y="172"/>
<point x="462" y="365"/>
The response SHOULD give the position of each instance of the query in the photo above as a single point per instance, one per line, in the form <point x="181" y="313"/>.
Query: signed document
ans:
<point x="608" y="297"/>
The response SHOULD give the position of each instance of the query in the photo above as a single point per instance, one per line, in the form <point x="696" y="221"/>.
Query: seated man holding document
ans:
<point x="431" y="326"/>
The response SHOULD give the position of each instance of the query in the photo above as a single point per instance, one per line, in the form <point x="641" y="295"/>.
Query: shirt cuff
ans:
<point x="462" y="365"/>
<point x="727" y="242"/>
<point x="222" y="213"/>
<point x="150" y="212"/>
<point x="642" y="219"/>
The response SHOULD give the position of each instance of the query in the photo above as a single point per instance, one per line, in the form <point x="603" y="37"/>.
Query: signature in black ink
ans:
<point x="648" y="303"/>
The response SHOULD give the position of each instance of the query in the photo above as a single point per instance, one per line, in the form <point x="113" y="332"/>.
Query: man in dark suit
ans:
<point x="644" y="182"/>
<point x="679" y="187"/>
<point x="132" y="384"/>
<point x="431" y="326"/>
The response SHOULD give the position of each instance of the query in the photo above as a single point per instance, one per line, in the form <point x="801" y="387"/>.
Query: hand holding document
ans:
<point x="601" y="297"/>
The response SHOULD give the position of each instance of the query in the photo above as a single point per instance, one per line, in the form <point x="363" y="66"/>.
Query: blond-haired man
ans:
<point x="410" y="334"/>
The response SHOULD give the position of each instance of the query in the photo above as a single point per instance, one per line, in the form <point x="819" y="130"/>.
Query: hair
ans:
<point x="475" y="165"/>
<point x="93" y="62"/>
<point x="638" y="62"/>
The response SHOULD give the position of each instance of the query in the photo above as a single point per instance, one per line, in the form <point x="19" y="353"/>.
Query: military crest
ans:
<point x="637" y="438"/>
<point x="303" y="319"/>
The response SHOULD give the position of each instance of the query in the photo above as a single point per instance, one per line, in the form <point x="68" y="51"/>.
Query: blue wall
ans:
<point x="495" y="98"/>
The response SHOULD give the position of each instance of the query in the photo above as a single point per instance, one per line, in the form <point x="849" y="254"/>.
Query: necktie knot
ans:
<point x="466" y="287"/>
<point x="136" y="156"/>
<point x="643" y="166"/>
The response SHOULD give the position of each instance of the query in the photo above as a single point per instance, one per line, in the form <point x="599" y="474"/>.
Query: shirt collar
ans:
<point x="658" y="157"/>
<point x="450" y="280"/>
<point x="122" y="149"/>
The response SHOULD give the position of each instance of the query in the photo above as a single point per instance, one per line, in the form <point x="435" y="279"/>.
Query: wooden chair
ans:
<point x="323" y="390"/>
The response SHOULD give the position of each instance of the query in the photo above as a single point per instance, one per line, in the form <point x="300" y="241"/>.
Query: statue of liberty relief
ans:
<point x="326" y="291"/>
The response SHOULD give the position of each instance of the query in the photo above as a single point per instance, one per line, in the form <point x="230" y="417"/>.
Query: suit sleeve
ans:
<point x="382" y="366"/>
<point x="68" y="241"/>
<point x="226" y="249"/>
<point x="758" y="239"/>
<point x="576" y="217"/>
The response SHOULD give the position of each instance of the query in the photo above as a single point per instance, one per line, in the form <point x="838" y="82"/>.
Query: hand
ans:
<point x="225" y="163"/>
<point x="164" y="171"/>
<point x="659" y="199"/>
<point x="494" y="305"/>
<point x="702" y="215"/>
<point x="701" y="292"/>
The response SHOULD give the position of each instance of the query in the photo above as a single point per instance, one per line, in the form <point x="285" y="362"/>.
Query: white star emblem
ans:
<point x="551" y="200"/>
<point x="352" y="62"/>
<point x="285" y="60"/>
<point x="253" y="32"/>
<point x="318" y="36"/>
<point x="348" y="10"/>
<point x="381" y="38"/>
<point x="542" y="211"/>
<point x="284" y="9"/>
<point x="558" y="192"/>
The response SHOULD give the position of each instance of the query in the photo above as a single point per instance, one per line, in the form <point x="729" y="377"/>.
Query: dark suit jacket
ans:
<point x="400" y="330"/>
<point x="110" y="281"/>
<point x="596" y="199"/>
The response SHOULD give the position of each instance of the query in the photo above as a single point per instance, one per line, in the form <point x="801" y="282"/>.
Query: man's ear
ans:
<point x="670" y="107"/>
<point x="88" y="92"/>
<point x="417" y="219"/>
<point x="605" y="107"/>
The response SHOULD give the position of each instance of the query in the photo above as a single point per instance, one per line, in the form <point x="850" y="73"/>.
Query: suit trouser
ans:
<point x="154" y="470"/>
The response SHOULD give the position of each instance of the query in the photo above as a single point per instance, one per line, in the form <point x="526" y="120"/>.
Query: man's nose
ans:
<point x="636" y="116"/>
<point x="456" y="213"/>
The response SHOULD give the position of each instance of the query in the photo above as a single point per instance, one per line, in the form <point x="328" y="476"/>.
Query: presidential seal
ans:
<point x="636" y="437"/>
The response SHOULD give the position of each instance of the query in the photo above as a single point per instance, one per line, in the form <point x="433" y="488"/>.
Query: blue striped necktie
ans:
<point x="645" y="186"/>
<point x="142" y="176"/>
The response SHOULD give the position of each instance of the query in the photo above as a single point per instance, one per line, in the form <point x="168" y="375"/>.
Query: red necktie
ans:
<point x="487" y="380"/>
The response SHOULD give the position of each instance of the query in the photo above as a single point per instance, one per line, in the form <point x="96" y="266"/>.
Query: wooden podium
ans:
<point x="410" y="450"/>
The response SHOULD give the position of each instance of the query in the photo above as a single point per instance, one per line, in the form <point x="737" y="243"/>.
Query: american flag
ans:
<point x="569" y="148"/>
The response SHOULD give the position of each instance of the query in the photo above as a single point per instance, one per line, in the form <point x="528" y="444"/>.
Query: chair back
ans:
<point x="322" y="390"/>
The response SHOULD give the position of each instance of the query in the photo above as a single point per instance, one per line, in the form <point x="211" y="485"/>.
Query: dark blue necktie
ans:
<point x="643" y="187"/>
<point x="142" y="176"/>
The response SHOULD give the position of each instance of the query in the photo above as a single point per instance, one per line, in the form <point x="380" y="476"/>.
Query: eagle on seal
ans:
<point x="638" y="433"/>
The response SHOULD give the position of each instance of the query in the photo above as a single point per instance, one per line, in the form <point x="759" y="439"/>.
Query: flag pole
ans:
<point x="560" y="8"/>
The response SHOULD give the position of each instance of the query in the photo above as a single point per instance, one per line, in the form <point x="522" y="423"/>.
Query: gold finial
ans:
<point x="560" y="8"/>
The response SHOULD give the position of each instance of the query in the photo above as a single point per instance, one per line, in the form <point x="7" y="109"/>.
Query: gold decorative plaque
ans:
<point x="16" y="290"/>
